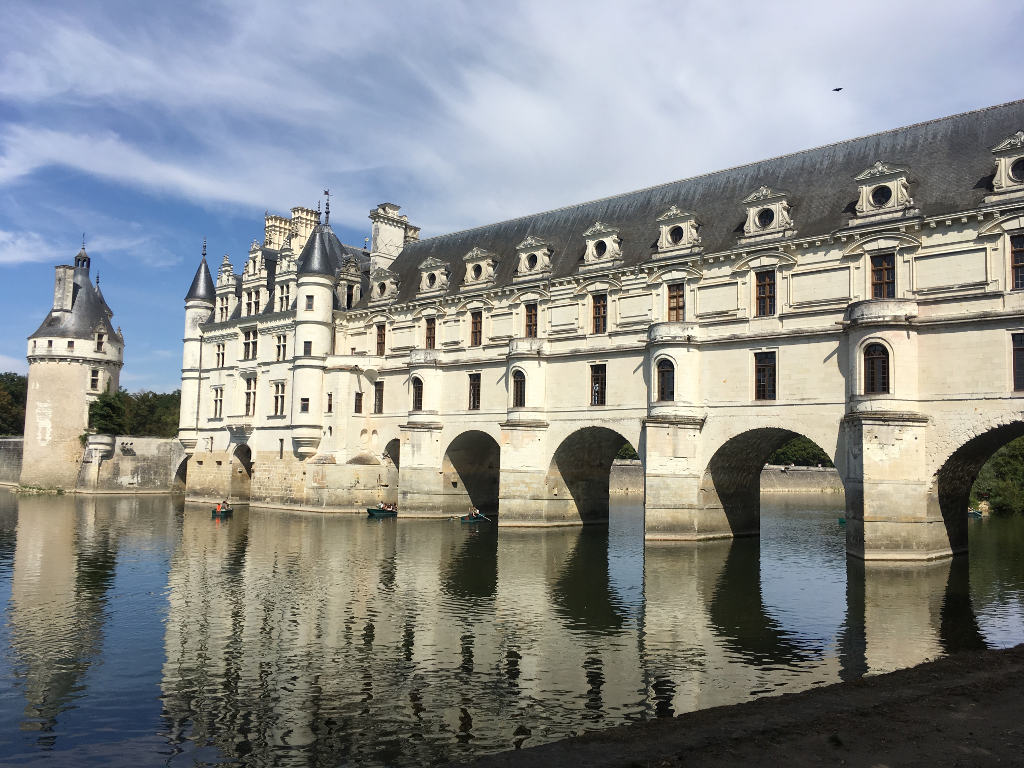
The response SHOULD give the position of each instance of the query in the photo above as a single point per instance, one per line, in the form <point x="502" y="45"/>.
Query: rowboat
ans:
<point x="221" y="512"/>
<point x="377" y="512"/>
<point x="474" y="517"/>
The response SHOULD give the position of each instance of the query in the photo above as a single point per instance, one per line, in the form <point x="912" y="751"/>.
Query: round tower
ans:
<point x="199" y="303"/>
<point x="73" y="357"/>
<point x="317" y="268"/>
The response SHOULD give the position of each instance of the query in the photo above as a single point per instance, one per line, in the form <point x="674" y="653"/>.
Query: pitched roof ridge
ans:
<point x="724" y="170"/>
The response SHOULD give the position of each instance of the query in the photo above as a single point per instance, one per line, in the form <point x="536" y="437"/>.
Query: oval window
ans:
<point x="1017" y="170"/>
<point x="382" y="288"/>
<point x="431" y="280"/>
<point x="676" y="235"/>
<point x="881" y="195"/>
<point x="531" y="261"/>
<point x="477" y="271"/>
<point x="765" y="217"/>
<point x="600" y="248"/>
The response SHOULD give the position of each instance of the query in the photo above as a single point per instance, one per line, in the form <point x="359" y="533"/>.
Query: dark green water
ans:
<point x="137" y="633"/>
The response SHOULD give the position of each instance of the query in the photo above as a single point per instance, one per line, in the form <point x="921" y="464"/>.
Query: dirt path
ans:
<point x="963" y="710"/>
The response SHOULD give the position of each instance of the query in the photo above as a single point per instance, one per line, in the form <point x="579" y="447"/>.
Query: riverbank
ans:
<point x="961" y="710"/>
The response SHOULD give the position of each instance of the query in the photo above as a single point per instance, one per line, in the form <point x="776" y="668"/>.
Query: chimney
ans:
<point x="390" y="232"/>
<point x="64" y="288"/>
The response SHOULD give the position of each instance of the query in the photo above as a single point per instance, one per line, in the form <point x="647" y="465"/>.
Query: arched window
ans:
<point x="518" y="389"/>
<point x="876" y="370"/>
<point x="666" y="381"/>
<point x="417" y="394"/>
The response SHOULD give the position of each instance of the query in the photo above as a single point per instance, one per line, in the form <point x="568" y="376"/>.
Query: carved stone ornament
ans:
<point x="534" y="257"/>
<point x="479" y="266"/>
<point x="383" y="284"/>
<point x="678" y="231"/>
<point x="1008" y="180"/>
<point x="603" y="244"/>
<point x="883" y="192"/>
<point x="434" y="275"/>
<point x="768" y="215"/>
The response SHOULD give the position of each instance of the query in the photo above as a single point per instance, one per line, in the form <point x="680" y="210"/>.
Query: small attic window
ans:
<point x="676" y="234"/>
<point x="600" y="248"/>
<point x="881" y="195"/>
<point x="765" y="217"/>
<point x="477" y="271"/>
<point x="431" y="280"/>
<point x="531" y="261"/>
<point x="382" y="288"/>
<point x="1017" y="170"/>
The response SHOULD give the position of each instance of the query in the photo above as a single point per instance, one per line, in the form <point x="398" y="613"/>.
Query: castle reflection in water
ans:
<point x="138" y="632"/>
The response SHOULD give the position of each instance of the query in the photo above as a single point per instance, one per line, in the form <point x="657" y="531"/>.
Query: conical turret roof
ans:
<point x="202" y="287"/>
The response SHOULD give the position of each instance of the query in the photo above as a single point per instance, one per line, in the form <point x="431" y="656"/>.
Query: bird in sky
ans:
<point x="838" y="89"/>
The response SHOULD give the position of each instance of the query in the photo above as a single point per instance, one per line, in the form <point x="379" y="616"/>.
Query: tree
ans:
<point x="627" y="451"/>
<point x="801" y="452"/>
<point x="1001" y="480"/>
<point x="107" y="413"/>
<point x="13" y="393"/>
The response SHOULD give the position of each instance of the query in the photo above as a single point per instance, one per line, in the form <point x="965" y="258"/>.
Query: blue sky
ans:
<point x="149" y="126"/>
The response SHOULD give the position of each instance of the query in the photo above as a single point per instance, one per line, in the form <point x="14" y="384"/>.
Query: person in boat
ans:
<point x="224" y="506"/>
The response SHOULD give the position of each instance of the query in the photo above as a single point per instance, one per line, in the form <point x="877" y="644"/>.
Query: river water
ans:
<point x="137" y="632"/>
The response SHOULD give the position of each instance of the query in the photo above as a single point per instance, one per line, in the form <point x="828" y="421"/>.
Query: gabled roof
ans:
<point x="950" y="168"/>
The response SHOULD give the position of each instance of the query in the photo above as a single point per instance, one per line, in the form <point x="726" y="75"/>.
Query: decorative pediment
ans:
<point x="674" y="275"/>
<point x="603" y="244"/>
<point x="350" y="268"/>
<point x="604" y="285"/>
<point x="434" y="275"/>
<point x="884" y="192"/>
<point x="768" y="216"/>
<point x="384" y="284"/>
<point x="677" y="232"/>
<point x="479" y="266"/>
<point x="1008" y="180"/>
<point x="534" y="257"/>
<point x="764" y="260"/>
<point x="887" y="242"/>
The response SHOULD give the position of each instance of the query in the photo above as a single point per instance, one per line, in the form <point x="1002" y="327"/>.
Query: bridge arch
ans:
<point x="241" y="473"/>
<point x="950" y="487"/>
<point x="471" y="472"/>
<point x="579" y="471"/>
<point x="731" y="482"/>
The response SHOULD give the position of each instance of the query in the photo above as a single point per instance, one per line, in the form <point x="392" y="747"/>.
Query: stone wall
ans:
<point x="627" y="478"/>
<point x="10" y="460"/>
<point x="138" y="465"/>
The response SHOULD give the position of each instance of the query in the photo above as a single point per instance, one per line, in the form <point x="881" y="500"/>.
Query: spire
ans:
<point x="327" y="207"/>
<point x="202" y="288"/>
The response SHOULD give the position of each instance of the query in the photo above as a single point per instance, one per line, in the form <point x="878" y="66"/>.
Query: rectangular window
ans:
<point x="304" y="405"/>
<point x="358" y="405"/>
<point x="350" y="292"/>
<point x="1018" y="362"/>
<point x="280" y="448"/>
<point x="222" y="308"/>
<point x="676" y="306"/>
<point x="765" y="305"/>
<point x="94" y="379"/>
<point x="307" y="348"/>
<point x="431" y="336"/>
<point x="1017" y="259"/>
<point x="474" y="391"/>
<point x="218" y="402"/>
<point x="381" y="338"/>
<point x="600" y="301"/>
<point x="249" y="345"/>
<point x="256" y="302"/>
<point x="284" y="297"/>
<point x="279" y="398"/>
<point x="99" y="341"/>
<point x="220" y="355"/>
<point x="49" y="343"/>
<point x="71" y="345"/>
<point x="309" y="302"/>
<point x="476" y="332"/>
<point x="764" y="375"/>
<point x="531" y="321"/>
<point x="250" y="397"/>
<point x="598" y="385"/>
<point x="330" y="402"/>
<point x="280" y="346"/>
<point x="883" y="276"/>
<point x="378" y="397"/>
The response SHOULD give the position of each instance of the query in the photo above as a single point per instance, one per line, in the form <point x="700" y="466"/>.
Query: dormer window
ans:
<point x="1008" y="180"/>
<point x="385" y="284"/>
<point x="884" y="192"/>
<point x="433" y="275"/>
<point x="534" y="258"/>
<point x="603" y="244"/>
<point x="479" y="267"/>
<point x="767" y="215"/>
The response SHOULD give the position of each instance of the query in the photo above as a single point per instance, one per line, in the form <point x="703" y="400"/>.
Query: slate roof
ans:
<point x="89" y="313"/>
<point x="202" y="284"/>
<point x="950" y="167"/>
<point x="325" y="254"/>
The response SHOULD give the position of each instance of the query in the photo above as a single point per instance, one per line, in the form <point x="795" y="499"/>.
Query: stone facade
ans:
<point x="74" y="356"/>
<point x="868" y="295"/>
